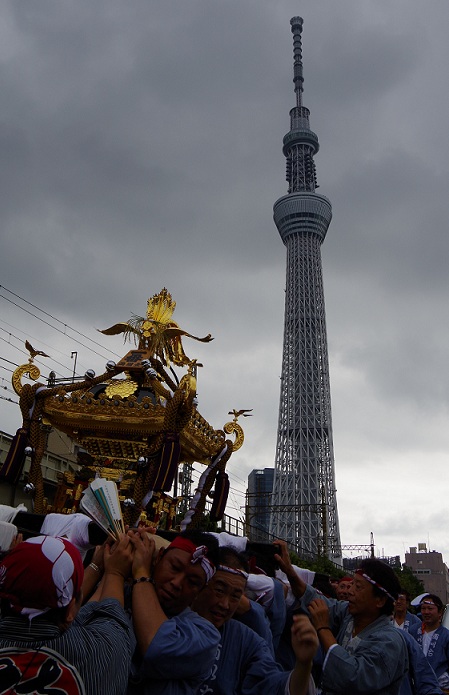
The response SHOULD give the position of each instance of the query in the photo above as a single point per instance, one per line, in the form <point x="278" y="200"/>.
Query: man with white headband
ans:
<point x="175" y="647"/>
<point x="363" y="652"/>
<point x="433" y="638"/>
<point x="244" y="664"/>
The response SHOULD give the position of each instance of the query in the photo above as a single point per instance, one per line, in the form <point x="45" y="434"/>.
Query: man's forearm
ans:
<point x="301" y="679"/>
<point x="112" y="586"/>
<point x="147" y="613"/>
<point x="297" y="584"/>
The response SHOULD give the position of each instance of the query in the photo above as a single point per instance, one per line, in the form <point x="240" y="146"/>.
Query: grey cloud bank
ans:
<point x="141" y="147"/>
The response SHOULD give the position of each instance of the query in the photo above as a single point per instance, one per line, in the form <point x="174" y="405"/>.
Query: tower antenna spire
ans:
<point x="301" y="143"/>
<point x="298" y="79"/>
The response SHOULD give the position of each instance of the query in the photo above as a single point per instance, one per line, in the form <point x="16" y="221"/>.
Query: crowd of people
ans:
<point x="142" y="615"/>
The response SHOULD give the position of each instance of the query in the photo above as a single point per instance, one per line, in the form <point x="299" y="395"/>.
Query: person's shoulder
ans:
<point x="235" y="627"/>
<point x="189" y="616"/>
<point x="392" y="640"/>
<point x="256" y="618"/>
<point x="383" y="629"/>
<point x="100" y="609"/>
<point x="242" y="644"/>
<point x="239" y="632"/>
<point x="443" y="632"/>
<point x="189" y="619"/>
<point x="414" y="628"/>
<point x="407" y="637"/>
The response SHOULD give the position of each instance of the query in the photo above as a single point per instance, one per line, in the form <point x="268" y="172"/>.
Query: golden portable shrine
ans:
<point x="137" y="422"/>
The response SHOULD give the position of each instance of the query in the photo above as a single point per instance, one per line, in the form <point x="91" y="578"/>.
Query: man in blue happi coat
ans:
<point x="402" y="617"/>
<point x="364" y="653"/>
<point x="421" y="678"/>
<point x="175" y="647"/>
<point x="244" y="663"/>
<point x="434" y="638"/>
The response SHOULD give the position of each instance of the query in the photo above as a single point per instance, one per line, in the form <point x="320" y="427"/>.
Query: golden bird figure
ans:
<point x="236" y="413"/>
<point x="34" y="352"/>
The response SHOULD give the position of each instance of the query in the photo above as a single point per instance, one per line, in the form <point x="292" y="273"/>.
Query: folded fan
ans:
<point x="100" y="501"/>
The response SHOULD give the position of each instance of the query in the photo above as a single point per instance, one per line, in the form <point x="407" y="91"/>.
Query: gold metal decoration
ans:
<point x="31" y="369"/>
<point x="122" y="388"/>
<point x="132" y="427"/>
<point x="234" y="428"/>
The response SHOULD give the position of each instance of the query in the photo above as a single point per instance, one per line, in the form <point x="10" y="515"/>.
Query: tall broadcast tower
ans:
<point x="304" y="504"/>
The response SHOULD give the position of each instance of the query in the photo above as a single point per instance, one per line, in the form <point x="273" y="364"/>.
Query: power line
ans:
<point x="23" y="351"/>
<point x="62" y="332"/>
<point x="6" y="388"/>
<point x="66" y="326"/>
<point x="13" y="346"/>
<point x="10" y="400"/>
<point x="51" y="316"/>
<point x="9" y="362"/>
<point x="34" y="338"/>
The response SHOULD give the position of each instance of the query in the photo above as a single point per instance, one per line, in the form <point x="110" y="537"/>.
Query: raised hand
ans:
<point x="304" y="638"/>
<point x="144" y="552"/>
<point x="118" y="558"/>
<point x="319" y="613"/>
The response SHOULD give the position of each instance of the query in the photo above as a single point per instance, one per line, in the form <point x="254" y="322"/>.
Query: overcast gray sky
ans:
<point x="141" y="147"/>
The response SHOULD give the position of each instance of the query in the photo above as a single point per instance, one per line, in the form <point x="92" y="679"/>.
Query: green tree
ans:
<point x="409" y="582"/>
<point x="320" y="564"/>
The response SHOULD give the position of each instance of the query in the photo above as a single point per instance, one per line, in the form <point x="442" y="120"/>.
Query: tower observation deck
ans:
<point x="304" y="505"/>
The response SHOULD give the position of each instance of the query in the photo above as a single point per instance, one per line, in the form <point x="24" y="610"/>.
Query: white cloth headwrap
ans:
<point x="9" y="513"/>
<point x="306" y="575"/>
<point x="260" y="588"/>
<point x="7" y="534"/>
<point x="74" y="527"/>
<point x="237" y="542"/>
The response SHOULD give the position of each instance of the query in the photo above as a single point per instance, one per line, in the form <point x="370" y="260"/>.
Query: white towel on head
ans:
<point x="237" y="542"/>
<point x="7" y="534"/>
<point x="9" y="513"/>
<point x="306" y="575"/>
<point x="260" y="588"/>
<point x="74" y="527"/>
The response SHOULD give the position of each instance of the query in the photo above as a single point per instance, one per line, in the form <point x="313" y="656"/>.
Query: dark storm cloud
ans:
<point x="141" y="147"/>
<point x="121" y="123"/>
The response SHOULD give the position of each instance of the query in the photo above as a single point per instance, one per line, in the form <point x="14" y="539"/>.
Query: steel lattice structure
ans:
<point x="304" y="496"/>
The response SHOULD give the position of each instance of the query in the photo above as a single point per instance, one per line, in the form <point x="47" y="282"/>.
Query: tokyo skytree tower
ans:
<point x="304" y="505"/>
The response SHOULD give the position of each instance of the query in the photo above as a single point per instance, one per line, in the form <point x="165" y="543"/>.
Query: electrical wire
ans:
<point x="30" y="337"/>
<point x="23" y="351"/>
<point x="53" y="317"/>
<point x="10" y="400"/>
<point x="9" y="362"/>
<point x="66" y="326"/>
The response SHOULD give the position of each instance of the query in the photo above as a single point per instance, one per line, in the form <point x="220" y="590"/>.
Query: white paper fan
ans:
<point x="100" y="501"/>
